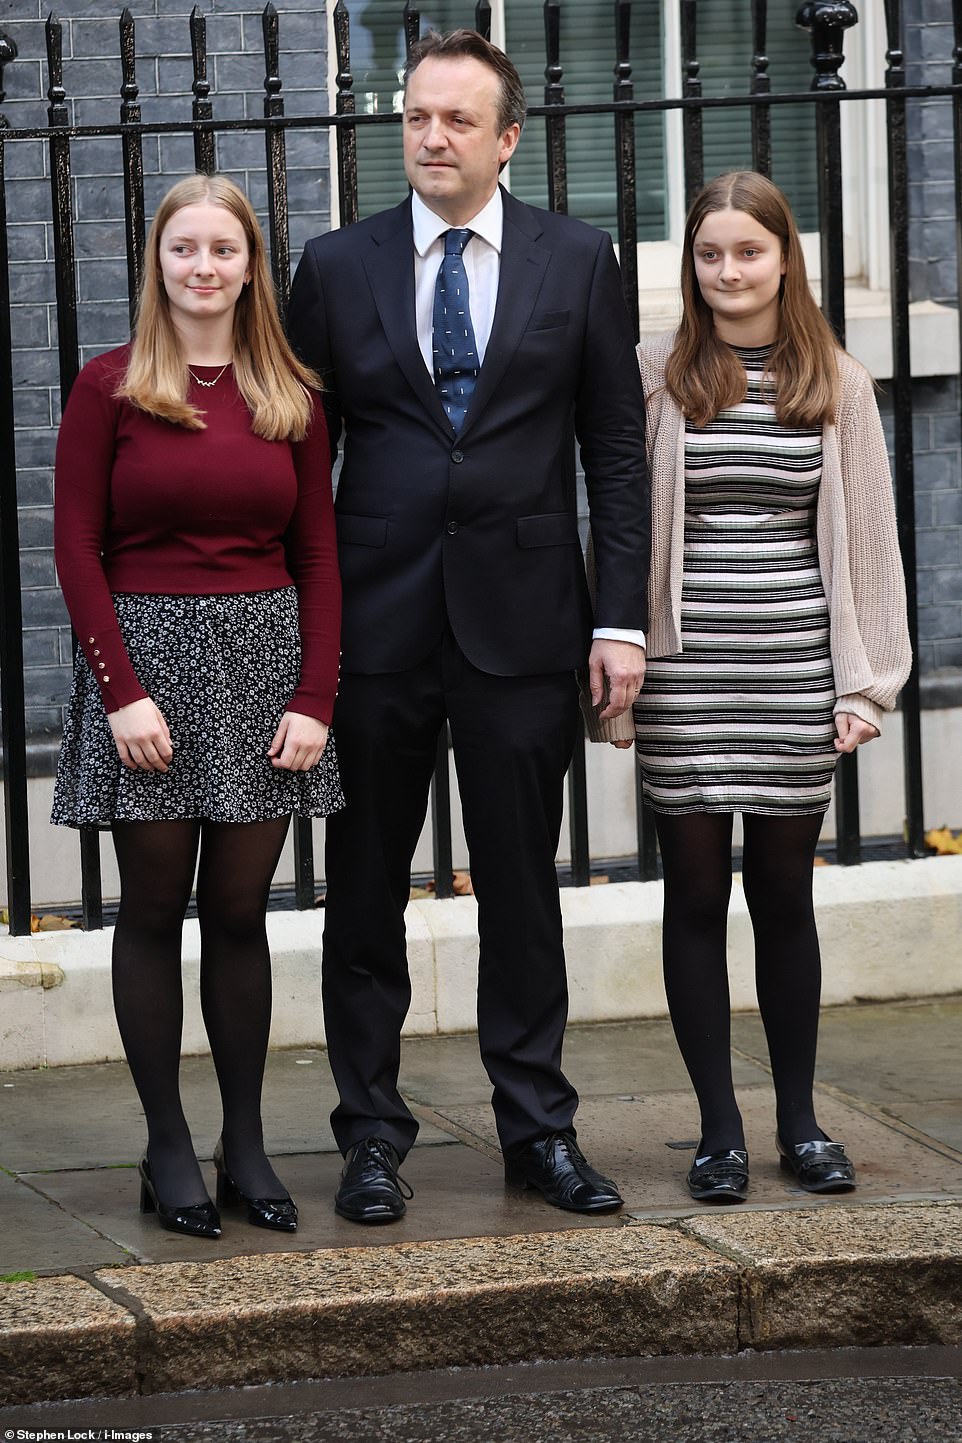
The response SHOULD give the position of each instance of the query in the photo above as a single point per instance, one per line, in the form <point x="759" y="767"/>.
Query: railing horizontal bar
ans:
<point x="601" y="107"/>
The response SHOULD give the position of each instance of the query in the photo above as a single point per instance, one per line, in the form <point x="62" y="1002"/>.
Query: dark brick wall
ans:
<point x="937" y="420"/>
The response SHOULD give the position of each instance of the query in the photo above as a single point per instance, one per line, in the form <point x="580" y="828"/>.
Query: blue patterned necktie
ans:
<point x="455" y="349"/>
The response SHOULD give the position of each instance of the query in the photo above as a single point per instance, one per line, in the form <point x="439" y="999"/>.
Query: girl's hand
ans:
<point x="142" y="736"/>
<point x="622" y="743"/>
<point x="298" y="742"/>
<point x="852" y="731"/>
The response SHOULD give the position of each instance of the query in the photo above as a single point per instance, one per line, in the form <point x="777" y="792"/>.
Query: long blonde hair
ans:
<point x="273" y="382"/>
<point x="703" y="375"/>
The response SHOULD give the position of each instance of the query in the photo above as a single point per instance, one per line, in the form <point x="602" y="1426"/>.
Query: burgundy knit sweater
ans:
<point x="148" y="507"/>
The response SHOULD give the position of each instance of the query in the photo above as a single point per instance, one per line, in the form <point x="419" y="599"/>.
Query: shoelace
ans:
<point x="574" y="1154"/>
<point x="376" y="1151"/>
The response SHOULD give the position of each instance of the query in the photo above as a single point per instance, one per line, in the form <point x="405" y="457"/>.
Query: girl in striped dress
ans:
<point x="777" y="639"/>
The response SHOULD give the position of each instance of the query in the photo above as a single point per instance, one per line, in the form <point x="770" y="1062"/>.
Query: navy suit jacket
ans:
<point x="479" y="530"/>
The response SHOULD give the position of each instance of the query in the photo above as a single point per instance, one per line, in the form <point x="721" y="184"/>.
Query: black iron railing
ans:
<point x="827" y="22"/>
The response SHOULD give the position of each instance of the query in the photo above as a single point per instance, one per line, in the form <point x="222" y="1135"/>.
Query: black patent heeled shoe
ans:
<point x="276" y="1213"/>
<point x="196" y="1220"/>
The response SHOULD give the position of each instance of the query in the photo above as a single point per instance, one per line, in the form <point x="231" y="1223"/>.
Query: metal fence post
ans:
<point x="902" y="408"/>
<point x="828" y="20"/>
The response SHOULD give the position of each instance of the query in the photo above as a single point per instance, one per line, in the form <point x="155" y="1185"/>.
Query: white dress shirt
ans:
<point x="482" y="264"/>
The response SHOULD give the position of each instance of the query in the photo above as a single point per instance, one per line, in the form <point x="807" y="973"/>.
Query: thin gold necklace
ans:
<point x="208" y="384"/>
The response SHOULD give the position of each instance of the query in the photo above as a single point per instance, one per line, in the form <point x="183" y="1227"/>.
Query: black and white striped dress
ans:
<point x="741" y="719"/>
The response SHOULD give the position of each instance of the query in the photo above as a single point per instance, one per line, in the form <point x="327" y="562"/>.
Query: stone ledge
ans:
<point x="839" y="1276"/>
<point x="15" y="974"/>
<point x="848" y="1276"/>
<point x="889" y="930"/>
<point x="62" y="1338"/>
<point x="417" y="1305"/>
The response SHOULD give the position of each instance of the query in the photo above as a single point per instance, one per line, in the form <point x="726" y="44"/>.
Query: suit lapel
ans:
<point x="522" y="271"/>
<point x="389" y="265"/>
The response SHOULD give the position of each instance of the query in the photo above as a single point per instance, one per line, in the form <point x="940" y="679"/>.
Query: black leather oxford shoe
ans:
<point x="720" y="1176"/>
<point x="819" y="1166"/>
<point x="558" y="1169"/>
<point x="370" y="1190"/>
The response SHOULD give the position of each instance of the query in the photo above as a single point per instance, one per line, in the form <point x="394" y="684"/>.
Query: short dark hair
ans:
<point x="468" y="44"/>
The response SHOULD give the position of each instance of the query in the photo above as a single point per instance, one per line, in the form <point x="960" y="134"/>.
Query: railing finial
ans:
<point x="412" y="25"/>
<point x="827" y="20"/>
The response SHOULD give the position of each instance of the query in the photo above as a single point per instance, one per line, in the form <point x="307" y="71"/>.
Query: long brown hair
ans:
<point x="703" y="374"/>
<point x="273" y="382"/>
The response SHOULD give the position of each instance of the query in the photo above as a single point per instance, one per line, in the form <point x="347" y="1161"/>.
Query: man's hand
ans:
<point x="618" y="668"/>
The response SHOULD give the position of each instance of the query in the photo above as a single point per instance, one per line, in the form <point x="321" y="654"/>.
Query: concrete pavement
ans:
<point x="113" y="1306"/>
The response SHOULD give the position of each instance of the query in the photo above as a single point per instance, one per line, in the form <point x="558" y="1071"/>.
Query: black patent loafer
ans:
<point x="558" y="1169"/>
<point x="371" y="1190"/>
<point x="195" y="1220"/>
<point x="720" y="1176"/>
<point x="819" y="1166"/>
<point x="277" y="1213"/>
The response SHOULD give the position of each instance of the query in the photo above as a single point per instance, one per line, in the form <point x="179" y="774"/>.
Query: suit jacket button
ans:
<point x="451" y="528"/>
<point x="457" y="455"/>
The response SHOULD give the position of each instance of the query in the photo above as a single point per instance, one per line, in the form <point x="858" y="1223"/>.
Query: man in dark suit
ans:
<point x="465" y="340"/>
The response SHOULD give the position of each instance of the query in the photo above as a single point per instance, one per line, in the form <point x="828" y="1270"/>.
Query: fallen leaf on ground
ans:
<point x="50" y="922"/>
<point x="942" y="842"/>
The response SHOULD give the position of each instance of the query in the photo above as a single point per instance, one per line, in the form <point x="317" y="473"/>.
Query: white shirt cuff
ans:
<point x="617" y="633"/>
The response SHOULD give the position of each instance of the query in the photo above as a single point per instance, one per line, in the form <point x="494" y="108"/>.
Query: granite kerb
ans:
<point x="715" y="1284"/>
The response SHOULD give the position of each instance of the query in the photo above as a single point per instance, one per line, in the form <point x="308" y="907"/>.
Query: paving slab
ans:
<point x="62" y="1338"/>
<point x="940" y="1119"/>
<point x="853" y="1276"/>
<point x="468" y="1303"/>
<point x="890" y="1052"/>
<point x="603" y="1059"/>
<point x="647" y="1143"/>
<point x="459" y="1193"/>
<point x="40" y="1235"/>
<point x="299" y="1096"/>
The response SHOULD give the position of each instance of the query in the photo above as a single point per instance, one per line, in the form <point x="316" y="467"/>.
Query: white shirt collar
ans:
<point x="428" y="226"/>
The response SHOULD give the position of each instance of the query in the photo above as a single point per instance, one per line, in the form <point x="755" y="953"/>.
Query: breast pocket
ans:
<point x="549" y="320"/>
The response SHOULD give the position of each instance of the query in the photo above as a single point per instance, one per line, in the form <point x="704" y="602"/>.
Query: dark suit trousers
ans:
<point x="512" y="738"/>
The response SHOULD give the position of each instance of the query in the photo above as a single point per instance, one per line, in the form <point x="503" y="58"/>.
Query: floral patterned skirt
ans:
<point x="221" y="669"/>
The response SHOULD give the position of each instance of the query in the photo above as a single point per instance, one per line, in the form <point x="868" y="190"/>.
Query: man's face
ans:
<point x="453" y="149"/>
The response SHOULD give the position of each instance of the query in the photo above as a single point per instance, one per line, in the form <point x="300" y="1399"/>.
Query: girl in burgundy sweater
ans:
<point x="195" y="546"/>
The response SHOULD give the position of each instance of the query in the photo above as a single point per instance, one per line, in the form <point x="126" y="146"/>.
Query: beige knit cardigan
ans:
<point x="858" y="553"/>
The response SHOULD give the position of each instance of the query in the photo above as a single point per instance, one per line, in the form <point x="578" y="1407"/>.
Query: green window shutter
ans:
<point x="724" y="48"/>
<point x="587" y="54"/>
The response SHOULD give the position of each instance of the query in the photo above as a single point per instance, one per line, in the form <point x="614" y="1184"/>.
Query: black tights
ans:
<point x="157" y="862"/>
<point x="777" y="876"/>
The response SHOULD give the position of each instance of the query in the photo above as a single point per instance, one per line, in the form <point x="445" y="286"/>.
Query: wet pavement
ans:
<point x="97" y="1300"/>
<point x="889" y="1084"/>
